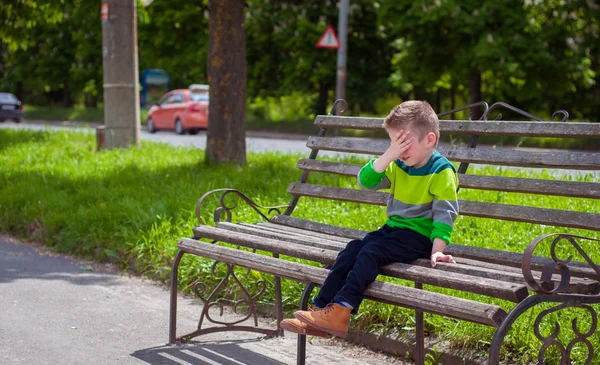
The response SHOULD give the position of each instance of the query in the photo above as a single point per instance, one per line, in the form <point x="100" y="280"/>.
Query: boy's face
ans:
<point x="419" y="152"/>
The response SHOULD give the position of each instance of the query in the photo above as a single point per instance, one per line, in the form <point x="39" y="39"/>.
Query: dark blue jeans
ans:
<point x="358" y="264"/>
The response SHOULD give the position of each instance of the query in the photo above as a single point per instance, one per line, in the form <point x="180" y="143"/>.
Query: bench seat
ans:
<point x="404" y="296"/>
<point x="470" y="289"/>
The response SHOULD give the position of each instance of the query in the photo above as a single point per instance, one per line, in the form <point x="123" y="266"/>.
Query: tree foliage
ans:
<point x="538" y="54"/>
<point x="283" y="59"/>
<point x="175" y="38"/>
<point x="528" y="53"/>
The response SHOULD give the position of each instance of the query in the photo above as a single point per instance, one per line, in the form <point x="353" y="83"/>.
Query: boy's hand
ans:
<point x="400" y="143"/>
<point x="440" y="256"/>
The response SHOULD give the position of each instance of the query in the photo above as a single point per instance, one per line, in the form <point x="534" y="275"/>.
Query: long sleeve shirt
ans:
<point x="421" y="199"/>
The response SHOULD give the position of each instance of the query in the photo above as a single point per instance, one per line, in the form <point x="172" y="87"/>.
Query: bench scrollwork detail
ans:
<point x="549" y="267"/>
<point x="227" y="207"/>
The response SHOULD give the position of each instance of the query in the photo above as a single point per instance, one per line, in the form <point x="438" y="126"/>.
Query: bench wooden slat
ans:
<point x="468" y="310"/>
<point x="505" y="157"/>
<point x="497" y="183"/>
<point x="329" y="167"/>
<point x="470" y="255"/>
<point x="305" y="224"/>
<point x="282" y="236"/>
<point x="499" y="289"/>
<point x="577" y="269"/>
<point x="306" y="235"/>
<point x="481" y="128"/>
<point x="301" y="232"/>
<point x="552" y="217"/>
<point x="498" y="272"/>
<point x="341" y="194"/>
<point x="521" y="128"/>
<point x="506" y="273"/>
<point x="531" y="186"/>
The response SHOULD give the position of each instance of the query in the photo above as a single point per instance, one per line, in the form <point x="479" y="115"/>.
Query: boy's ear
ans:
<point x="431" y="139"/>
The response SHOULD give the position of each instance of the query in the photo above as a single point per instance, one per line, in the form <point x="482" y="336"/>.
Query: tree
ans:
<point x="175" y="38"/>
<point x="20" y="17"/>
<point x="509" y="50"/>
<point x="227" y="81"/>
<point x="52" y="51"/>
<point x="283" y="59"/>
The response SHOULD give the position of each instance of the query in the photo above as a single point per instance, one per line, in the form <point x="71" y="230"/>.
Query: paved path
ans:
<point x="55" y="310"/>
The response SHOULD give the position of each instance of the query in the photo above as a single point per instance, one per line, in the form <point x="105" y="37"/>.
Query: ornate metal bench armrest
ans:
<point x="224" y="208"/>
<point x="544" y="284"/>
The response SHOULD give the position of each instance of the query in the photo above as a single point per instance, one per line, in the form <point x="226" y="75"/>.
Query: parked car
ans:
<point x="182" y="110"/>
<point x="10" y="108"/>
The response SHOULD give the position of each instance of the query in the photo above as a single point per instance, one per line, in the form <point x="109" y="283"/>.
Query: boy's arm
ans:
<point x="445" y="211"/>
<point x="368" y="178"/>
<point x="437" y="252"/>
<point x="372" y="175"/>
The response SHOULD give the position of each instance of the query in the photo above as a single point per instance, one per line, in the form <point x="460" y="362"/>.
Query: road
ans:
<point x="255" y="141"/>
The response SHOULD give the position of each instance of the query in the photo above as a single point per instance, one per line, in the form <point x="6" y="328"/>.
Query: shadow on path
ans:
<point x="226" y="352"/>
<point x="19" y="261"/>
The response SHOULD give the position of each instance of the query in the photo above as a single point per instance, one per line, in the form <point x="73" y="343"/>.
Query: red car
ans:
<point x="182" y="110"/>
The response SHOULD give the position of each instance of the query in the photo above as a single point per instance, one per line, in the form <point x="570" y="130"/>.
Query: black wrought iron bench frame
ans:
<point x="505" y="275"/>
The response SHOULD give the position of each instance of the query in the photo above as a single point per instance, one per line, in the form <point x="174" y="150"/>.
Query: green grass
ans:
<point x="130" y="207"/>
<point x="71" y="114"/>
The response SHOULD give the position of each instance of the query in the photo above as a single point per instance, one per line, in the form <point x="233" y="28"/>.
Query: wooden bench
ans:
<point x="518" y="277"/>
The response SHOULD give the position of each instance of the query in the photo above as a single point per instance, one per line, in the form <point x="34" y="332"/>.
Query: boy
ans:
<point x="421" y="209"/>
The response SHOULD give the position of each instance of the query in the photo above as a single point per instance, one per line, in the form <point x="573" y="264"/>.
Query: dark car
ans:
<point x="10" y="108"/>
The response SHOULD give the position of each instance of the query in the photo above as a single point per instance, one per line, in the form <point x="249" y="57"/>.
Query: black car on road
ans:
<point x="10" y="107"/>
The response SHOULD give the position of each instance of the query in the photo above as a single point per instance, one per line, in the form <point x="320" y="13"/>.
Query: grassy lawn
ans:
<point x="131" y="207"/>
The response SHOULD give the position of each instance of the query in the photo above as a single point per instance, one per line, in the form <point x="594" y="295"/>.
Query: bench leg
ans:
<point x="301" y="350"/>
<point x="213" y="301"/>
<point x="174" y="287"/>
<point x="563" y="301"/>
<point x="278" y="300"/>
<point x="420" y="336"/>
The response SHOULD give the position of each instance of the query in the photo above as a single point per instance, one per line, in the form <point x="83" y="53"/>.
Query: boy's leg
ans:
<point x="400" y="245"/>
<point x="334" y="281"/>
<point x="397" y="246"/>
<point x="340" y="269"/>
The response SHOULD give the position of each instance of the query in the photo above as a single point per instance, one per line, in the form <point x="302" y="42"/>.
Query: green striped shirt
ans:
<point x="422" y="199"/>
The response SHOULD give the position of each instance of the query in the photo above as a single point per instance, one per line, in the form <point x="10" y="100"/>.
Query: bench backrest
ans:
<point x="558" y="162"/>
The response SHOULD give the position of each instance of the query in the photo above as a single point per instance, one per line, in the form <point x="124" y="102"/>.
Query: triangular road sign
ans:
<point x="329" y="39"/>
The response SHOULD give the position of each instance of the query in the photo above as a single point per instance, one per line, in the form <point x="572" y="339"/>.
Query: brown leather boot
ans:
<point x="297" y="326"/>
<point x="333" y="319"/>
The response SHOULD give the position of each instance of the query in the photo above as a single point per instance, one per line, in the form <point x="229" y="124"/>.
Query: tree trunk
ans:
<point x="453" y="98"/>
<point x="475" y="90"/>
<point x="596" y="94"/>
<point x="420" y="93"/>
<point x="226" y="135"/>
<point x="19" y="90"/>
<point x="321" y="107"/>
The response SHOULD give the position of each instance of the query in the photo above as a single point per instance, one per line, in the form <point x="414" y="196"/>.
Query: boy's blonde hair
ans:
<point x="415" y="113"/>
